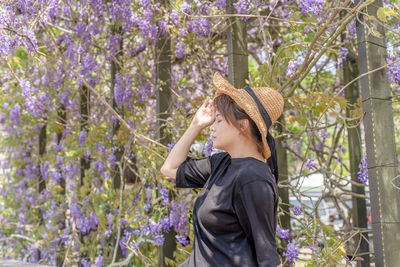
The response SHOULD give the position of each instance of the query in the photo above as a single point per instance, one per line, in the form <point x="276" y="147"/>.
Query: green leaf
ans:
<point x="327" y="228"/>
<point x="72" y="153"/>
<point x="309" y="37"/>
<point x="21" y="53"/>
<point x="384" y="12"/>
<point x="294" y="128"/>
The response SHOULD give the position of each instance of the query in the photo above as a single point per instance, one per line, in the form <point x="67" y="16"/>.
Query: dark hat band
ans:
<point x="273" y="160"/>
<point x="264" y="113"/>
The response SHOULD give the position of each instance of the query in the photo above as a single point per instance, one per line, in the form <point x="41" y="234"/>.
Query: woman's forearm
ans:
<point x="180" y="151"/>
<point x="204" y="117"/>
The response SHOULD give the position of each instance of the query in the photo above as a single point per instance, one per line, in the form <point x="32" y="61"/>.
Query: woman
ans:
<point x="234" y="216"/>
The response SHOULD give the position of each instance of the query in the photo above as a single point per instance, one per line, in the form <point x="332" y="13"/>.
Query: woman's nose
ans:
<point x="212" y="127"/>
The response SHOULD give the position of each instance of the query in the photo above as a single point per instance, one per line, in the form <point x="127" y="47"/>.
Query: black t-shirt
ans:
<point x="234" y="215"/>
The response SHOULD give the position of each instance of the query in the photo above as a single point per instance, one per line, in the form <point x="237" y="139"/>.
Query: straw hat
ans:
<point x="269" y="98"/>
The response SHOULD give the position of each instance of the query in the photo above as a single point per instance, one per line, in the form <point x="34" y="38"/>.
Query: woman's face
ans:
<point x="223" y="134"/>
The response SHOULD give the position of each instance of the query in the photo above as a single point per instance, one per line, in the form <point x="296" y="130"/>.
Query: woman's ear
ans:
<point x="244" y="124"/>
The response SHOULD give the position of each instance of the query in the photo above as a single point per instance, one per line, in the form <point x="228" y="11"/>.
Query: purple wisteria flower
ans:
<point x="85" y="262"/>
<point x="34" y="104"/>
<point x="108" y="233"/>
<point x="292" y="66"/>
<point x="30" y="41"/>
<point x="204" y="9"/>
<point x="164" y="195"/>
<point x="394" y="71"/>
<point x="145" y="229"/>
<point x="363" y="172"/>
<point x="180" y="49"/>
<point x="110" y="220"/>
<point x="163" y="25"/>
<point x="56" y="176"/>
<point x="164" y="221"/>
<point x="310" y="164"/>
<point x="44" y="170"/>
<point x="100" y="167"/>
<point x="3" y="118"/>
<point x="201" y="26"/>
<point x="170" y="145"/>
<point x="296" y="210"/>
<point x="6" y="46"/>
<point x="119" y="90"/>
<point x="184" y="240"/>
<point x="114" y="43"/>
<point x="14" y="114"/>
<point x="178" y="218"/>
<point x="145" y="4"/>
<point x="155" y="228"/>
<point x="112" y="159"/>
<point x="125" y="238"/>
<point x="147" y="206"/>
<point x="322" y="133"/>
<point x="124" y="221"/>
<point x="144" y="92"/>
<point x="186" y="7"/>
<point x="343" y="51"/>
<point x="351" y="28"/>
<point x="311" y="6"/>
<point x="174" y="17"/>
<point x="208" y="148"/>
<point x="282" y="233"/>
<point x="74" y="209"/>
<point x="153" y="33"/>
<point x="93" y="220"/>
<point x="292" y="251"/>
<point x="80" y="29"/>
<point x="82" y="138"/>
<point x="99" y="261"/>
<point x="21" y="219"/>
<point x="158" y="240"/>
<point x="89" y="66"/>
<point x="221" y="4"/>
<point x="82" y="223"/>
<point x="241" y="7"/>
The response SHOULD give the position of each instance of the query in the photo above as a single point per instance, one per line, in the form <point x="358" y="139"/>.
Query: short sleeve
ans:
<point x="194" y="173"/>
<point x="255" y="207"/>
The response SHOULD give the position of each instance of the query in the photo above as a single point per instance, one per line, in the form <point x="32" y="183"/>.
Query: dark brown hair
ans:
<point x="233" y="113"/>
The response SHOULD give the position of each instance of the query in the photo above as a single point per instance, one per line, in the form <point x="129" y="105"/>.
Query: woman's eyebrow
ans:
<point x="216" y="115"/>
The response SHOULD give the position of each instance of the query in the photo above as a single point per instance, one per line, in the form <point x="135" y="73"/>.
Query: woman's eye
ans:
<point x="218" y="121"/>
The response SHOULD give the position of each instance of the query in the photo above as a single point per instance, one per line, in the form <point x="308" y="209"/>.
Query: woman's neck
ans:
<point x="243" y="148"/>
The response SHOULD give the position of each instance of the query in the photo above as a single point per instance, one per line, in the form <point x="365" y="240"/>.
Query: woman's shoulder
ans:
<point x="217" y="158"/>
<point x="251" y="170"/>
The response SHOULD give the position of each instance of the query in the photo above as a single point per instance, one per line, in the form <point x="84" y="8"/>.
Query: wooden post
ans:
<point x="238" y="65"/>
<point x="283" y="176"/>
<point x="164" y="103"/>
<point x="84" y="125"/>
<point x="379" y="138"/>
<point x="62" y="120"/>
<point x="42" y="151"/>
<point x="359" y="210"/>
<point x="115" y="69"/>
<point x="84" y="94"/>
<point x="283" y="165"/>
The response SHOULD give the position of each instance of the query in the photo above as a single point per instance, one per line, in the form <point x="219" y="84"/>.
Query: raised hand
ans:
<point x="205" y="115"/>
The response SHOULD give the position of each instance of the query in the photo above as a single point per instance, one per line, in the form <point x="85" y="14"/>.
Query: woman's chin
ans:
<point x="216" y="146"/>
